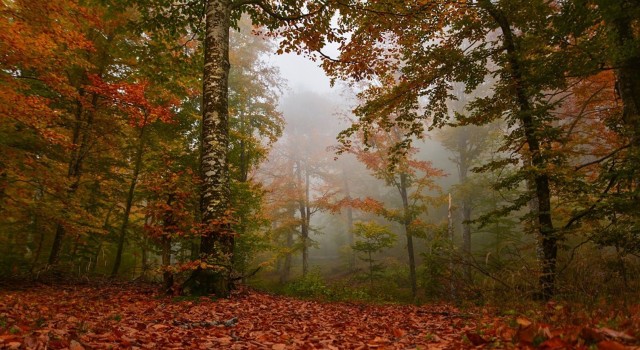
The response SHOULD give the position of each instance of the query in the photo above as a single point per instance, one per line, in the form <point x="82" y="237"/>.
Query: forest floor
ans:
<point x="94" y="316"/>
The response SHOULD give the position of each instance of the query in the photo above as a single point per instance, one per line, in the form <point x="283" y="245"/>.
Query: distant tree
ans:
<point x="466" y="144"/>
<point x="417" y="50"/>
<point x="413" y="179"/>
<point x="373" y="239"/>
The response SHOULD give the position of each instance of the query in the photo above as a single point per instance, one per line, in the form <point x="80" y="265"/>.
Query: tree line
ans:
<point x="116" y="113"/>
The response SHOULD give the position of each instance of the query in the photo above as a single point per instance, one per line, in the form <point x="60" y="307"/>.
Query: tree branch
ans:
<point x="599" y="160"/>
<point x="271" y="12"/>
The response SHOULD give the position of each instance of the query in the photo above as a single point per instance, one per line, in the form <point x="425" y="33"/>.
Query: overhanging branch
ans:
<point x="273" y="13"/>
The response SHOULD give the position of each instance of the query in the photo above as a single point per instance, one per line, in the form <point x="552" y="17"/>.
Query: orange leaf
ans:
<point x="75" y="346"/>
<point x="523" y="322"/>
<point x="554" y="343"/>
<point x="397" y="332"/>
<point x="610" y="345"/>
<point x="475" y="338"/>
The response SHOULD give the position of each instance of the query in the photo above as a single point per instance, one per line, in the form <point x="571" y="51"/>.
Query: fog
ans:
<point x="315" y="113"/>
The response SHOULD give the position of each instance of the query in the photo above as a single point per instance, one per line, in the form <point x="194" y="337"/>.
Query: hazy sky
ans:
<point x="302" y="74"/>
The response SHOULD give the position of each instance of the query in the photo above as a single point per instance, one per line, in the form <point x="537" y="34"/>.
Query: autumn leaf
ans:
<point x="475" y="339"/>
<point x="523" y="322"/>
<point x="610" y="345"/>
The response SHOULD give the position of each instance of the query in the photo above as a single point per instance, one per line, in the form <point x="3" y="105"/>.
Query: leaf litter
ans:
<point x="80" y="317"/>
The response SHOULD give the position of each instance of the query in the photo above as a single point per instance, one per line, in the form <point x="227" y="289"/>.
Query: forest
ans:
<point x="469" y="177"/>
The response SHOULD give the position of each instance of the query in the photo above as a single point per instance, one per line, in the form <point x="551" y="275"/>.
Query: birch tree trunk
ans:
<point x="217" y="242"/>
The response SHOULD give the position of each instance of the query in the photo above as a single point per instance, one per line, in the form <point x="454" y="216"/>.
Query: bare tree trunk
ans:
<point x="286" y="268"/>
<point x="463" y="170"/>
<point x="217" y="242"/>
<point x="451" y="237"/>
<point x="165" y="242"/>
<point x="285" y="273"/>
<point x="370" y="269"/>
<point x="167" y="276"/>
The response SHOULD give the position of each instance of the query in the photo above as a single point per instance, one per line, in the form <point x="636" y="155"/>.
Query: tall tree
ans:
<point x="217" y="243"/>
<point x="417" y="49"/>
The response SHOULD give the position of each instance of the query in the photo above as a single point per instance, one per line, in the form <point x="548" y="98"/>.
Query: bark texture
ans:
<point x="628" y="87"/>
<point x="216" y="244"/>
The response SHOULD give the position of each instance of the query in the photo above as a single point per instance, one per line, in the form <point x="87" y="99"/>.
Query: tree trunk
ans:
<point x="80" y="147"/>
<point x="285" y="272"/>
<point x="286" y="267"/>
<point x="370" y="269"/>
<point x="144" y="262"/>
<point x="165" y="242"/>
<point x="127" y="210"/>
<point x="538" y="162"/>
<point x="628" y="87"/>
<point x="217" y="241"/>
<point x="167" y="276"/>
<point x="464" y="144"/>
<point x="350" y="235"/>
<point x="408" y="233"/>
<point x="450" y="231"/>
<point x="305" y="214"/>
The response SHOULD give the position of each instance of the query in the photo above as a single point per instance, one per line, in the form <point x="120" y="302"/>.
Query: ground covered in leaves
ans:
<point x="137" y="317"/>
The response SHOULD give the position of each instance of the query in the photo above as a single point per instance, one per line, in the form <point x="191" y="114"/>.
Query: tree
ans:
<point x="132" y="99"/>
<point x="413" y="179"/>
<point x="417" y="50"/>
<point x="59" y="72"/>
<point x="299" y="176"/>
<point x="373" y="239"/>
<point x="602" y="39"/>
<point x="255" y="125"/>
<point x="466" y="143"/>
<point x="216" y="246"/>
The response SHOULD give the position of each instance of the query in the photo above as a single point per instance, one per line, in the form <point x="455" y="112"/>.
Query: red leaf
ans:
<point x="75" y="346"/>
<point x="610" y="345"/>
<point x="554" y="343"/>
<point x="475" y="339"/>
<point x="398" y="333"/>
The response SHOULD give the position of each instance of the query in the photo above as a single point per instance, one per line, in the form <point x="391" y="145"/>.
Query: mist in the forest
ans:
<point x="315" y="113"/>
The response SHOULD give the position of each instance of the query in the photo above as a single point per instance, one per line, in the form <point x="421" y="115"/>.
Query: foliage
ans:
<point x="373" y="239"/>
<point x="311" y="285"/>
